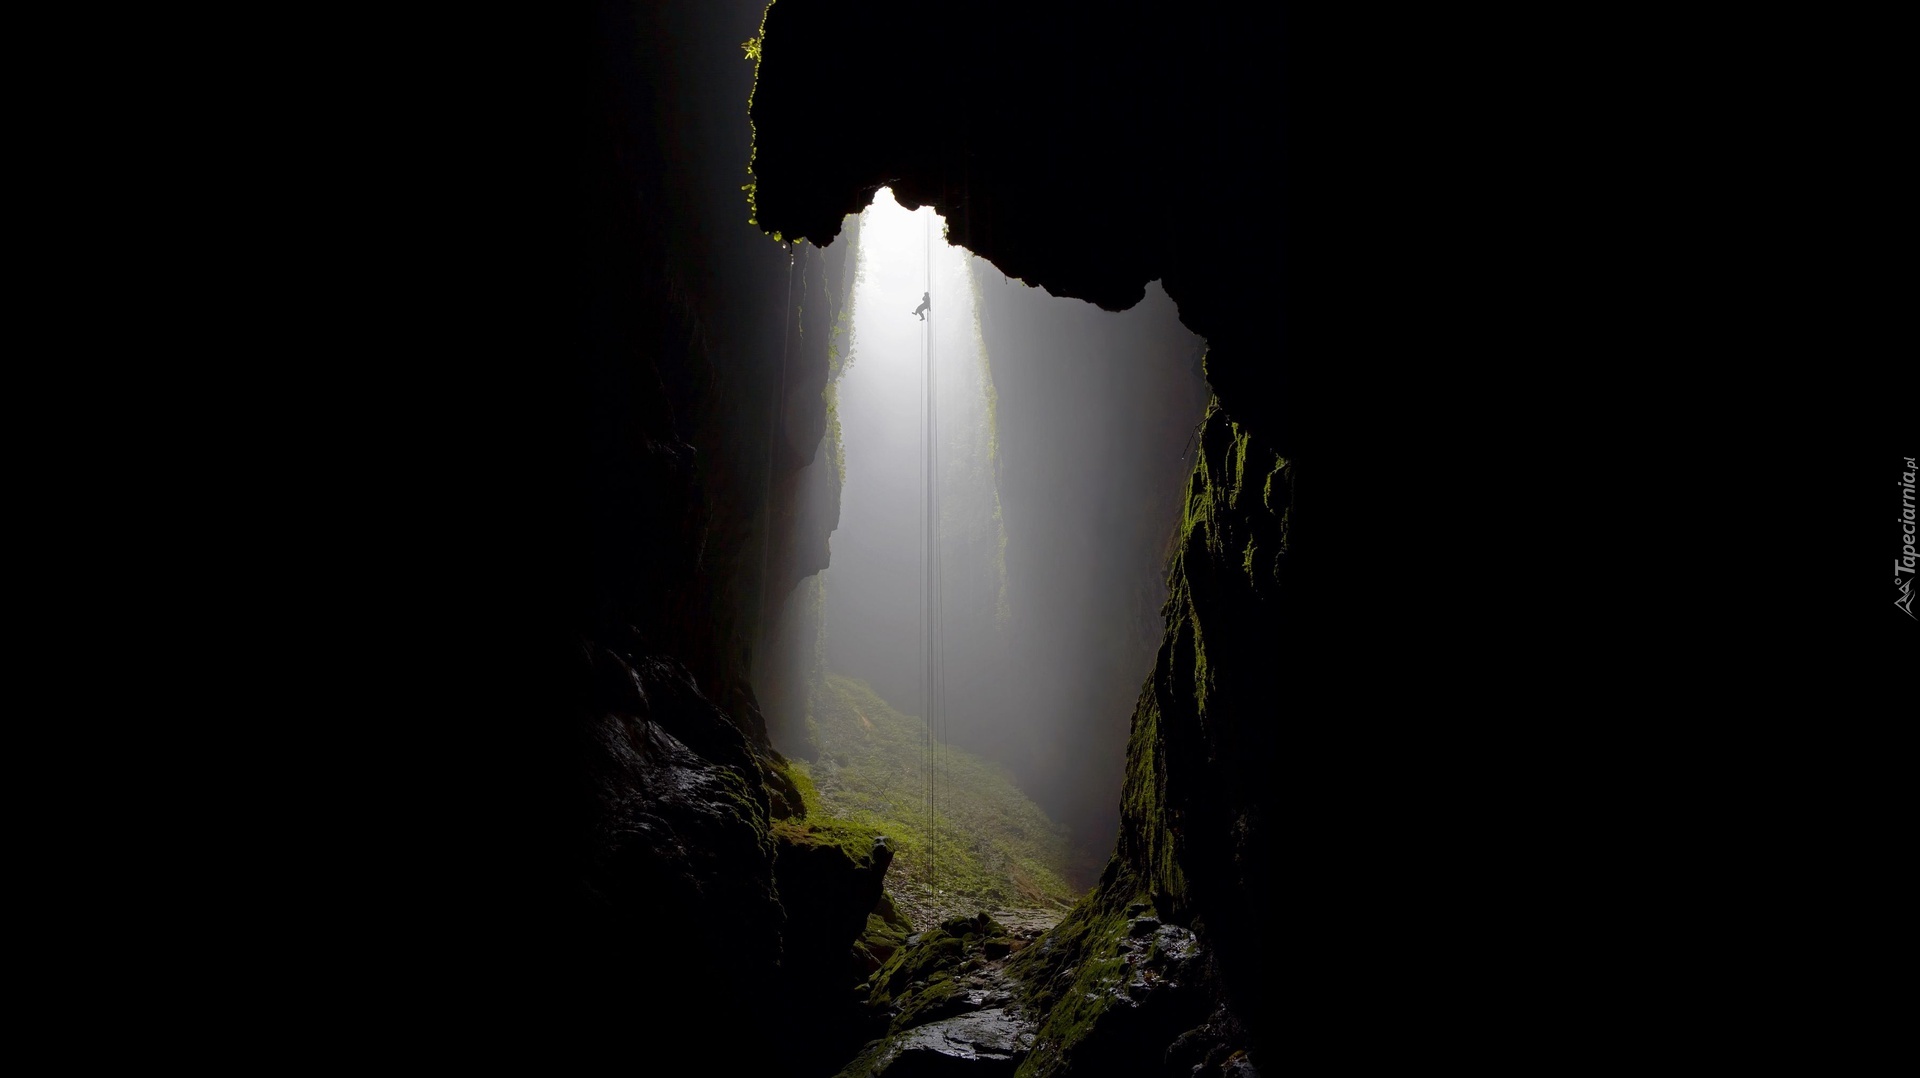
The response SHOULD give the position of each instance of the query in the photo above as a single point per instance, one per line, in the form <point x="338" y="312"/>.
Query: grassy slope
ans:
<point x="995" y="850"/>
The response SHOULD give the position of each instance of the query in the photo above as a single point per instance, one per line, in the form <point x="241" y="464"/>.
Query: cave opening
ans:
<point x="1349" y="783"/>
<point x="961" y="674"/>
<point x="750" y="629"/>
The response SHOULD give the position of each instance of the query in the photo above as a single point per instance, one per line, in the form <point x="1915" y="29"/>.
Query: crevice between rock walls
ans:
<point x="681" y="882"/>
<point x="1198" y="802"/>
<point x="1066" y="148"/>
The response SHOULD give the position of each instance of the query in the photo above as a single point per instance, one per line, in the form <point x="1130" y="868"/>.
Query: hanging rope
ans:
<point x="939" y="555"/>
<point x="930" y="572"/>
<point x="932" y="578"/>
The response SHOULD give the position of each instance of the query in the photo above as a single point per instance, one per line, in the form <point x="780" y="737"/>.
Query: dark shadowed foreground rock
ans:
<point x="1112" y="992"/>
<point x="885" y="933"/>
<point x="679" y="864"/>
<point x="984" y="1043"/>
<point x="706" y="894"/>
<point x="946" y="1004"/>
<point x="831" y="876"/>
<point x="1118" y="993"/>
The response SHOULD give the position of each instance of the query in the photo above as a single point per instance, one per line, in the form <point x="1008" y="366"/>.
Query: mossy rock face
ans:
<point x="1113" y="985"/>
<point x="831" y="876"/>
<point x="862" y="847"/>
<point x="932" y="953"/>
<point x="886" y="932"/>
<point x="948" y="1006"/>
<point x="927" y="962"/>
<point x="1199" y="797"/>
<point x="784" y="797"/>
<point x="936" y="999"/>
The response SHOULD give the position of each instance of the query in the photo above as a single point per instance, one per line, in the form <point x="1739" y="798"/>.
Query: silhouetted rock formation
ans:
<point x="1086" y="150"/>
<point x="672" y="499"/>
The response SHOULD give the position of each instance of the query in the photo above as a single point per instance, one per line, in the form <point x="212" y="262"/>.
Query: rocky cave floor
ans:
<point x="955" y="1001"/>
<point x="952" y="1004"/>
<point x="924" y="908"/>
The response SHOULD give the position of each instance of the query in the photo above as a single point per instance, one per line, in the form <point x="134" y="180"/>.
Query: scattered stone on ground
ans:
<point x="926" y="906"/>
<point x="947" y="1001"/>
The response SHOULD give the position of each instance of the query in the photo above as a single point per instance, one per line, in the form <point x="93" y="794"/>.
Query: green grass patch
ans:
<point x="994" y="849"/>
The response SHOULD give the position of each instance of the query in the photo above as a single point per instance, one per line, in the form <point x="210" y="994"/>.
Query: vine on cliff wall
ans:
<point x="753" y="49"/>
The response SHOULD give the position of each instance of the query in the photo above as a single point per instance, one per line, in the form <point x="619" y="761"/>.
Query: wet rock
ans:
<point x="830" y="881"/>
<point x="886" y="933"/>
<point x="1140" y="988"/>
<point x="783" y="795"/>
<point x="1239" y="1068"/>
<point x="1173" y="946"/>
<point x="1188" y="1052"/>
<point x="990" y="1042"/>
<point x="996" y="949"/>
<point x="949" y="1010"/>
<point x="978" y="925"/>
<point x="675" y="831"/>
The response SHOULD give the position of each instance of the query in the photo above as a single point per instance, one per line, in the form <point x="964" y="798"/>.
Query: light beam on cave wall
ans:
<point x="873" y="604"/>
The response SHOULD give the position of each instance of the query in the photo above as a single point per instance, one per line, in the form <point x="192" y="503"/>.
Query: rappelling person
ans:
<point x="926" y="304"/>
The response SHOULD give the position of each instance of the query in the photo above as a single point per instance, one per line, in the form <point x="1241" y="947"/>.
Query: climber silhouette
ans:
<point x="926" y="304"/>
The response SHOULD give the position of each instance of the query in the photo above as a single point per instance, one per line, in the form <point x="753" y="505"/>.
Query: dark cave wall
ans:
<point x="805" y="496"/>
<point x="683" y="496"/>
<point x="804" y="502"/>
<point x="1087" y="148"/>
<point x="678" y="371"/>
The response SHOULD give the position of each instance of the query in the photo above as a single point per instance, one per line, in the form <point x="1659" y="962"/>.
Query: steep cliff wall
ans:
<point x="683" y="495"/>
<point x="804" y="500"/>
<point x="1097" y="417"/>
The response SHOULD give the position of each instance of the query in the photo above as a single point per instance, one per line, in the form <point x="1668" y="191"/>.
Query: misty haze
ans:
<point x="1062" y="439"/>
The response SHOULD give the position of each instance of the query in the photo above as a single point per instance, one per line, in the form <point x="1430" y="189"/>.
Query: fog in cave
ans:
<point x="1062" y="447"/>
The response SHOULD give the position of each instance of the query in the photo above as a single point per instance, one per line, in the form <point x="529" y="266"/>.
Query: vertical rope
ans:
<point x="942" y="749"/>
<point x="933" y="466"/>
<point x="926" y="631"/>
<point x="932" y="441"/>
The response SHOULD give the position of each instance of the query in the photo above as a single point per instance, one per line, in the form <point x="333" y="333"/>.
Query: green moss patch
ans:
<point x="996" y="849"/>
<point x="855" y="840"/>
<point x="886" y="933"/>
